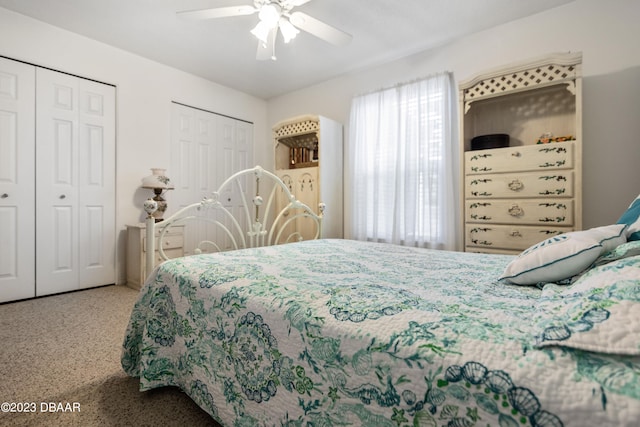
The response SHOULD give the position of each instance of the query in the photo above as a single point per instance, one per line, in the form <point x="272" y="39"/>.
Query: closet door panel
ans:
<point x="56" y="182"/>
<point x="233" y="156"/>
<point x="96" y="184"/>
<point x="192" y="169"/>
<point x="62" y="253"/>
<point x="182" y="170"/>
<point x="17" y="191"/>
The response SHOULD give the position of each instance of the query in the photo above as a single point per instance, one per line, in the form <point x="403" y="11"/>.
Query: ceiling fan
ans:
<point x="275" y="15"/>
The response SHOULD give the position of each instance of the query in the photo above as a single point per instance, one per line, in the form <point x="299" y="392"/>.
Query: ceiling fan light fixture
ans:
<point x="270" y="14"/>
<point x="289" y="32"/>
<point x="275" y="16"/>
<point x="261" y="31"/>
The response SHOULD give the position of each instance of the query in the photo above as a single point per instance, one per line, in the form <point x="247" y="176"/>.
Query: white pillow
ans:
<point x="609" y="236"/>
<point x="563" y="256"/>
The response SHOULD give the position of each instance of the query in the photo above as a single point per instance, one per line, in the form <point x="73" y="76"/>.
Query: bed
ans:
<point x="251" y="208"/>
<point x="331" y="332"/>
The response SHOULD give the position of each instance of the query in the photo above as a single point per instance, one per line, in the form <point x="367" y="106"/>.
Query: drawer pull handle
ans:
<point x="515" y="233"/>
<point x="516" y="185"/>
<point x="516" y="154"/>
<point x="516" y="211"/>
<point x="4" y="196"/>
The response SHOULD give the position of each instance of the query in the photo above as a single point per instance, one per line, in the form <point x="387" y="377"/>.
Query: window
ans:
<point x="401" y="165"/>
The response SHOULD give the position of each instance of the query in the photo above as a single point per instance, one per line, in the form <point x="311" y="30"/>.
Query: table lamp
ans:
<point x="159" y="183"/>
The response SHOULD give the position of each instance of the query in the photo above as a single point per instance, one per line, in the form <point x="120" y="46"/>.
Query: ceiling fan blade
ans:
<point x="218" y="12"/>
<point x="267" y="50"/>
<point x="298" y="2"/>
<point x="319" y="29"/>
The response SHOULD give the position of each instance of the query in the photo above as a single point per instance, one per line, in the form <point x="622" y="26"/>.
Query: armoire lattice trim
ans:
<point x="557" y="69"/>
<point x="300" y="126"/>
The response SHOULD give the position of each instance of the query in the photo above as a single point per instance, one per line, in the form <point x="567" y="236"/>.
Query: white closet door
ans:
<point x="17" y="191"/>
<point x="206" y="148"/>
<point x="96" y="180"/>
<point x="192" y="167"/>
<point x="193" y="150"/>
<point x="75" y="199"/>
<point x="235" y="151"/>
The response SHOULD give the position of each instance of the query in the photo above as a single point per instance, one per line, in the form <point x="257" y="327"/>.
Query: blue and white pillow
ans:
<point x="561" y="257"/>
<point x="631" y="217"/>
<point x="625" y="250"/>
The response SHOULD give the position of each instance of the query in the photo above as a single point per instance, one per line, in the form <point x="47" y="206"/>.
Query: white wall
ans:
<point x="145" y="90"/>
<point x="608" y="35"/>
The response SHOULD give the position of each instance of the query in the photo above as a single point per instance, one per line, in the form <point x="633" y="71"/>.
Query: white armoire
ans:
<point x="517" y="196"/>
<point x="309" y="159"/>
<point x="57" y="182"/>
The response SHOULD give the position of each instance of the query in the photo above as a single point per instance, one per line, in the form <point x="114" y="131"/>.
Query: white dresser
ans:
<point x="517" y="196"/>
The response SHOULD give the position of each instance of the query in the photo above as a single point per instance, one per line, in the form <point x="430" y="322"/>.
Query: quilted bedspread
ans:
<point x="339" y="332"/>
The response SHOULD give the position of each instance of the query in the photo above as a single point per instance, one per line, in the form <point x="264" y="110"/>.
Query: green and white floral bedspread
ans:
<point x="339" y="332"/>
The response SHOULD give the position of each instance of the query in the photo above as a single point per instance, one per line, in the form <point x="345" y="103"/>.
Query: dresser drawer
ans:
<point x="485" y="250"/>
<point x="520" y="211"/>
<point x="169" y="241"/>
<point x="522" y="185"/>
<point x="170" y="253"/>
<point x="513" y="237"/>
<point x="525" y="158"/>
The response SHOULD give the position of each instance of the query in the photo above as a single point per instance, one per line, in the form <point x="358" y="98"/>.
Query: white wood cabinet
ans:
<point x="517" y="196"/>
<point x="137" y="248"/>
<point x="301" y="183"/>
<point x="60" y="191"/>
<point x="309" y="158"/>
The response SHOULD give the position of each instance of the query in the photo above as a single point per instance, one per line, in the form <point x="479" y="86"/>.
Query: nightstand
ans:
<point x="173" y="242"/>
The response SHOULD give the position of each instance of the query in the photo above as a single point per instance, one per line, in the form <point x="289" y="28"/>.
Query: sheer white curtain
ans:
<point x="400" y="171"/>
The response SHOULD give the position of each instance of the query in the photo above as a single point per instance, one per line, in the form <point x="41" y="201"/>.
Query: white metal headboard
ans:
<point x="256" y="222"/>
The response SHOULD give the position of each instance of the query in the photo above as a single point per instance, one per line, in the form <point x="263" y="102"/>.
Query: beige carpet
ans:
<point x="65" y="349"/>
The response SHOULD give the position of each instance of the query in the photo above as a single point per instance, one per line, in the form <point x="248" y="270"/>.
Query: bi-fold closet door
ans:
<point x="57" y="182"/>
<point x="206" y="149"/>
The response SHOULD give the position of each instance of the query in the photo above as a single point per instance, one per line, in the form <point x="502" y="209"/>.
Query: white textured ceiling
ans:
<point x="223" y="50"/>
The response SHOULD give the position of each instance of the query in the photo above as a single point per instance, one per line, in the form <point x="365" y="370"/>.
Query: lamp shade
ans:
<point x="289" y="32"/>
<point x="157" y="180"/>
<point x="261" y="31"/>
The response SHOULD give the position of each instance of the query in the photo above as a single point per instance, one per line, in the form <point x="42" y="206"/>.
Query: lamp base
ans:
<point x="162" y="205"/>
